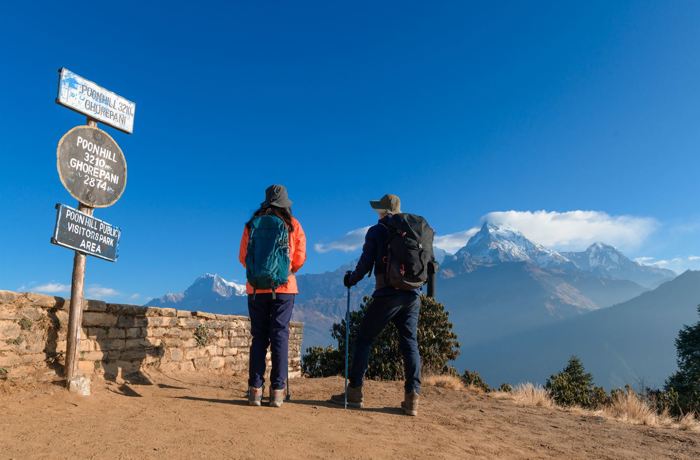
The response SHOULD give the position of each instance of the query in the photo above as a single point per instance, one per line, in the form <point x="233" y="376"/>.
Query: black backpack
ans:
<point x="410" y="251"/>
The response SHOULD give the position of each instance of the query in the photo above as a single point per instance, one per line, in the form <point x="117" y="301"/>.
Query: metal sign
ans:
<point x="84" y="233"/>
<point x="91" y="166"/>
<point x="84" y="96"/>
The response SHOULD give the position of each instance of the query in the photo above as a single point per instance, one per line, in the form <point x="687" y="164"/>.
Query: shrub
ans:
<point x="322" y="362"/>
<point x="437" y="344"/>
<point x="663" y="401"/>
<point x="25" y="324"/>
<point x="202" y="335"/>
<point x="473" y="379"/>
<point x="3" y="373"/>
<point x="686" y="382"/>
<point x="505" y="388"/>
<point x="599" y="398"/>
<point x="573" y="386"/>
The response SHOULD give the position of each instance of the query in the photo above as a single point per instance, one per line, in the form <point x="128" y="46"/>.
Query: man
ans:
<point x="388" y="304"/>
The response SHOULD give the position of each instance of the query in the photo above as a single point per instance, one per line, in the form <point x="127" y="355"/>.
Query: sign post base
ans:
<point x="79" y="385"/>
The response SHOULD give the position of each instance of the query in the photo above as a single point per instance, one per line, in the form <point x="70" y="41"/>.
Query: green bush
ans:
<point x="661" y="400"/>
<point x="202" y="335"/>
<point x="437" y="345"/>
<point x="685" y="383"/>
<point x="573" y="386"/>
<point x="505" y="388"/>
<point x="474" y="379"/>
<point x="322" y="362"/>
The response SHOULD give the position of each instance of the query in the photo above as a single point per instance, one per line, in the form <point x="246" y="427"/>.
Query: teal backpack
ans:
<point x="267" y="260"/>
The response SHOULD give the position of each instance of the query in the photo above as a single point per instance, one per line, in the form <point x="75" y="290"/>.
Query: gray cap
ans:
<point x="276" y="195"/>
<point x="388" y="202"/>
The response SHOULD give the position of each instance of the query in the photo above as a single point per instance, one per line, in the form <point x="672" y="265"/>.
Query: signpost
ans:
<point x="92" y="168"/>
<point x="82" y="232"/>
<point x="88" y="98"/>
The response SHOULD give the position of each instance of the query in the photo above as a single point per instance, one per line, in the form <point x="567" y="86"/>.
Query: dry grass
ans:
<point x="475" y="389"/>
<point x="444" y="381"/>
<point x="689" y="423"/>
<point x="531" y="395"/>
<point x="628" y="407"/>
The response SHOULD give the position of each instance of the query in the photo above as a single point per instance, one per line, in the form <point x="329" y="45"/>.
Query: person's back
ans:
<point x="272" y="249"/>
<point x="389" y="303"/>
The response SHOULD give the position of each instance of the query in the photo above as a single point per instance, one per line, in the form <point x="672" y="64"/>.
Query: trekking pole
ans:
<point x="347" y="347"/>
<point x="289" y="394"/>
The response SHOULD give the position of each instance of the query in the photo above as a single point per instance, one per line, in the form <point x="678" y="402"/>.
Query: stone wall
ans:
<point x="123" y="340"/>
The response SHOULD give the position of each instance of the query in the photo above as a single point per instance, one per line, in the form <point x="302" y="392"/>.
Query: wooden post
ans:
<point x="75" y="318"/>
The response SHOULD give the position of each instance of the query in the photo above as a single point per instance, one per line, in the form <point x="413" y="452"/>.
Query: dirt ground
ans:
<point x="197" y="417"/>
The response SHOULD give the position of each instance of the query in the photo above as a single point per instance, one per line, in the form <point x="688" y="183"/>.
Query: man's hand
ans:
<point x="347" y="280"/>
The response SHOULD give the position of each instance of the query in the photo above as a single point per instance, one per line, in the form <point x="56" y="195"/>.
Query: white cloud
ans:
<point x="575" y="230"/>
<point x="100" y="292"/>
<point x="51" y="288"/>
<point x="453" y="242"/>
<point x="677" y="264"/>
<point x="135" y="296"/>
<point x="349" y="242"/>
<point x="565" y="231"/>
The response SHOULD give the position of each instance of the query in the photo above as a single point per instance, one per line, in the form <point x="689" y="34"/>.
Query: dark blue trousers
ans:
<point x="402" y="309"/>
<point x="269" y="325"/>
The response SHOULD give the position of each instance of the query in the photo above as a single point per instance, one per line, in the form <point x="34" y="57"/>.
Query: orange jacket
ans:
<point x="297" y="256"/>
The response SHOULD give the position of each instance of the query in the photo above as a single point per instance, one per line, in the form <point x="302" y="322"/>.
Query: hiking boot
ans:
<point x="355" y="399"/>
<point x="410" y="403"/>
<point x="255" y="396"/>
<point x="276" y="397"/>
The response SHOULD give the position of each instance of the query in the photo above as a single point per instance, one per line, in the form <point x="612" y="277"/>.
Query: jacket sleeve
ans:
<point x="366" y="262"/>
<point x="243" y="250"/>
<point x="299" y="256"/>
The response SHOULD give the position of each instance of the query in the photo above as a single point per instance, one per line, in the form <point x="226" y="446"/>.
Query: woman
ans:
<point x="270" y="302"/>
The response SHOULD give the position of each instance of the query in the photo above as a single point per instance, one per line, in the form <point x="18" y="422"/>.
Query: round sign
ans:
<point x="91" y="166"/>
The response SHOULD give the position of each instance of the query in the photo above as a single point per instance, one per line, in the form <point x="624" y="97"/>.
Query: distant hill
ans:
<point x="499" y="300"/>
<point x="632" y="342"/>
<point x="606" y="261"/>
<point x="321" y="302"/>
<point x="499" y="283"/>
<point x="209" y="292"/>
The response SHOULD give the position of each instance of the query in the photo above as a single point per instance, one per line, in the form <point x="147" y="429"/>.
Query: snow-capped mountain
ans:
<point x="606" y="261"/>
<point x="493" y="244"/>
<point x="209" y="292"/>
<point x="498" y="283"/>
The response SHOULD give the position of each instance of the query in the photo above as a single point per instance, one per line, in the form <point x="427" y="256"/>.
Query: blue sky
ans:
<point x="581" y="117"/>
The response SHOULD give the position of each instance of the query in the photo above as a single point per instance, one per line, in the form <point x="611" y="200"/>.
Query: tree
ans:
<point x="685" y="384"/>
<point x="437" y="344"/>
<point x="573" y="386"/>
<point x="473" y="379"/>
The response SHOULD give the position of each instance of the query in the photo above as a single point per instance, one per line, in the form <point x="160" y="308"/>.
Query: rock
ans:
<point x="217" y="362"/>
<point x="91" y="318"/>
<point x="116" y="333"/>
<point x="8" y="296"/>
<point x="96" y="305"/>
